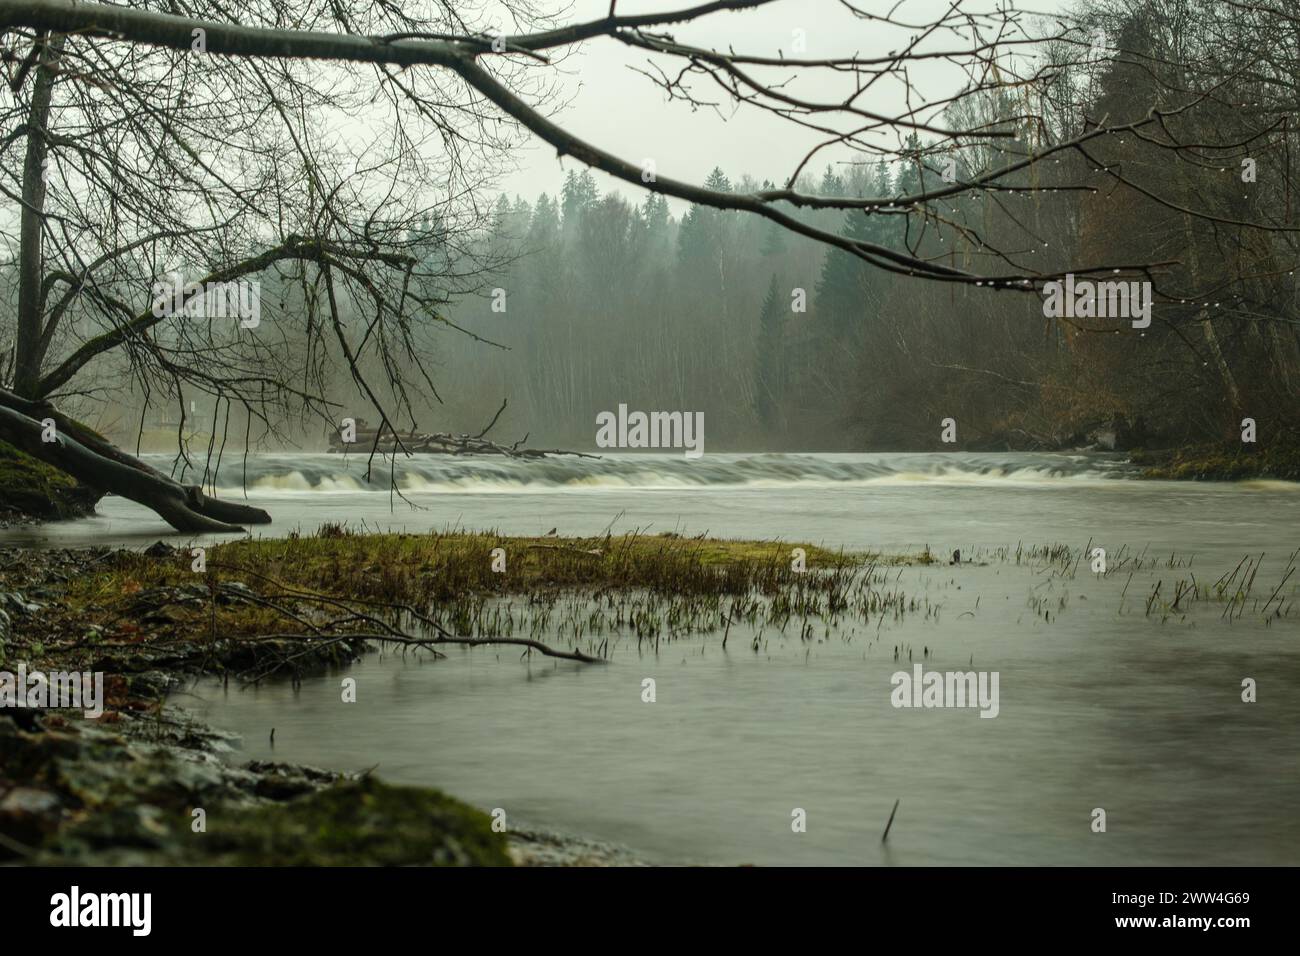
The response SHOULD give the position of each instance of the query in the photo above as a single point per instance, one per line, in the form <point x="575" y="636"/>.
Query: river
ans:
<point x="1101" y="704"/>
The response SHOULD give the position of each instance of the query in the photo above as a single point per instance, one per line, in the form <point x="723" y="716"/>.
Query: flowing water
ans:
<point x="1101" y="704"/>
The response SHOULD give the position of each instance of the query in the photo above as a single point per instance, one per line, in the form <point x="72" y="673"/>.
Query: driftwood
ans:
<point x="95" y="462"/>
<point x="387" y="441"/>
<point x="441" y="443"/>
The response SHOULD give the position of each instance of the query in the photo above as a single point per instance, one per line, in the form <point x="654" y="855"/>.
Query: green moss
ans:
<point x="365" y="823"/>
<point x="29" y="488"/>
<point x="112" y="799"/>
<point x="1236" y="462"/>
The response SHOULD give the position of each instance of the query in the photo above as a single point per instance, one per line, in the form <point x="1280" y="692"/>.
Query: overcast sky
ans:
<point x="625" y="112"/>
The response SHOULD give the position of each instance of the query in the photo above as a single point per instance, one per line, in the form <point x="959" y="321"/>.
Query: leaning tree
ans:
<point x="133" y="164"/>
<point x="340" y="152"/>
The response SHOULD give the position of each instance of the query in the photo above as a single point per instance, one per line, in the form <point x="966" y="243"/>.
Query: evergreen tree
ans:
<point x="701" y="235"/>
<point x="545" y="223"/>
<point x="842" y="289"/>
<point x="578" y="195"/>
<point x="831" y="185"/>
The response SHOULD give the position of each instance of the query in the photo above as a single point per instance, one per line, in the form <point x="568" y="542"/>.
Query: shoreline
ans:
<point x="148" y="784"/>
<point x="122" y="789"/>
<point x="199" y="760"/>
<point x="125" y="788"/>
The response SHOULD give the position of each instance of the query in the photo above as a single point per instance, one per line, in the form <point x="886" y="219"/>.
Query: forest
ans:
<point x="787" y="345"/>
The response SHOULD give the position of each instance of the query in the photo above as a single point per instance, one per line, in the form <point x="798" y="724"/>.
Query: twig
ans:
<point x="885" y="836"/>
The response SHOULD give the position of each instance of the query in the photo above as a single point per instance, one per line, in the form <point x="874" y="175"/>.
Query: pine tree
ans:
<point x="700" y="239"/>
<point x="578" y="195"/>
<point x="831" y="185"/>
<point x="654" y="213"/>
<point x="545" y="224"/>
<point x="842" y="289"/>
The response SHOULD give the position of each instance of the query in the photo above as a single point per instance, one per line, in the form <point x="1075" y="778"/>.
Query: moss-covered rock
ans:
<point x="33" y="490"/>
<point x="123" y="792"/>
<point x="349" y="823"/>
<point x="363" y="822"/>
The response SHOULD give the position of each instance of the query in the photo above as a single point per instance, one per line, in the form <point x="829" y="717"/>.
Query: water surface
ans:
<point x="1101" y="705"/>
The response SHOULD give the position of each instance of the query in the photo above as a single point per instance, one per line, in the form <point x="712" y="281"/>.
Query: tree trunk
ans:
<point x="93" y="461"/>
<point x="1206" y="321"/>
<point x="31" y="346"/>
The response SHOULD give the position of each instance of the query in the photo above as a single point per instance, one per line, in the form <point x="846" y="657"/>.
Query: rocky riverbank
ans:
<point x="146" y="783"/>
<point x="158" y="788"/>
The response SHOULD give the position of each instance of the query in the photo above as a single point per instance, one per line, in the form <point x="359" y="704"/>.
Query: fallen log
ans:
<point x="224" y="511"/>
<point x="96" y="463"/>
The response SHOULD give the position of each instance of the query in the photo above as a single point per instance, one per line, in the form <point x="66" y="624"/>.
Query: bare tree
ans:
<point x="135" y="167"/>
<point x="152" y="81"/>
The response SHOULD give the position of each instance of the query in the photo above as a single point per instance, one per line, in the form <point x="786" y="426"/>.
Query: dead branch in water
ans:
<point x="386" y="441"/>
<point x="885" y="836"/>
<point x="407" y="640"/>
<point x="340" y="628"/>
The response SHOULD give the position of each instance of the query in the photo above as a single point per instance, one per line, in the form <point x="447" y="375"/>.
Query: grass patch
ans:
<point x="421" y="569"/>
<point x="294" y="604"/>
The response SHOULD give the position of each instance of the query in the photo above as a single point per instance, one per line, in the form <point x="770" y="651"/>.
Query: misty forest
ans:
<point x="968" y="341"/>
